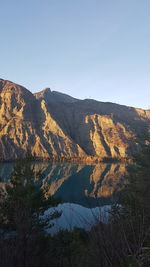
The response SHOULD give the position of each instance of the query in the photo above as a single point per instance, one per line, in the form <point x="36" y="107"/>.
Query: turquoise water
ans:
<point x="87" y="185"/>
<point x="85" y="190"/>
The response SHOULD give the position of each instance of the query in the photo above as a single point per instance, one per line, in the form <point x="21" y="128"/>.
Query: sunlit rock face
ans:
<point x="54" y="125"/>
<point x="27" y="127"/>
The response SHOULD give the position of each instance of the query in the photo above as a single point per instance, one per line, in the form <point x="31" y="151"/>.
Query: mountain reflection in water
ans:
<point x="86" y="185"/>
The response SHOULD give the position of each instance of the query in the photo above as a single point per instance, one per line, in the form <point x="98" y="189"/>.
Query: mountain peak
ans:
<point x="46" y="90"/>
<point x="16" y="89"/>
<point x="54" y="96"/>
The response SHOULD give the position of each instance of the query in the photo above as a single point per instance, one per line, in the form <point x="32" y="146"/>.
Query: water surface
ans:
<point x="82" y="188"/>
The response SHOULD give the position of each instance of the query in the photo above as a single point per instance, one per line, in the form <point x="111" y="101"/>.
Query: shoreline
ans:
<point x="86" y="161"/>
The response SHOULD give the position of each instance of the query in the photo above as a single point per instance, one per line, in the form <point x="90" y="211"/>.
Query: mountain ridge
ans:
<point x="53" y="125"/>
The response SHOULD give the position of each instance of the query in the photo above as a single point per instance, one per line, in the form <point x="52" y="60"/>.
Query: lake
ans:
<point x="86" y="191"/>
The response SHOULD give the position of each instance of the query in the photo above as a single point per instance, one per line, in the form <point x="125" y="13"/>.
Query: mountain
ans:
<point x="54" y="97"/>
<point x="53" y="125"/>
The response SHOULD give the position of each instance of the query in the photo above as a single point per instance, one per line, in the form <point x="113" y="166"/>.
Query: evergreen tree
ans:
<point x="22" y="220"/>
<point x="133" y="216"/>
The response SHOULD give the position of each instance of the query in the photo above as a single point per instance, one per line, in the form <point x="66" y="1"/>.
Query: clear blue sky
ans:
<point x="85" y="48"/>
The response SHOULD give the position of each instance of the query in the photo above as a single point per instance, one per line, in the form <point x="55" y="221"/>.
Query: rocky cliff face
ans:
<point x="54" y="125"/>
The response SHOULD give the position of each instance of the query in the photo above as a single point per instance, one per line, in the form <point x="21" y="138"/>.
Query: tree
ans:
<point x="133" y="215"/>
<point x="125" y="240"/>
<point x="22" y="220"/>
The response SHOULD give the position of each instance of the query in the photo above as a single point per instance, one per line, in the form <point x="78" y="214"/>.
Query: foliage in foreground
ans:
<point x="23" y="239"/>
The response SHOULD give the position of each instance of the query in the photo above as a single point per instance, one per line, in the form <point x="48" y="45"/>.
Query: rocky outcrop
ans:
<point x="53" y="125"/>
